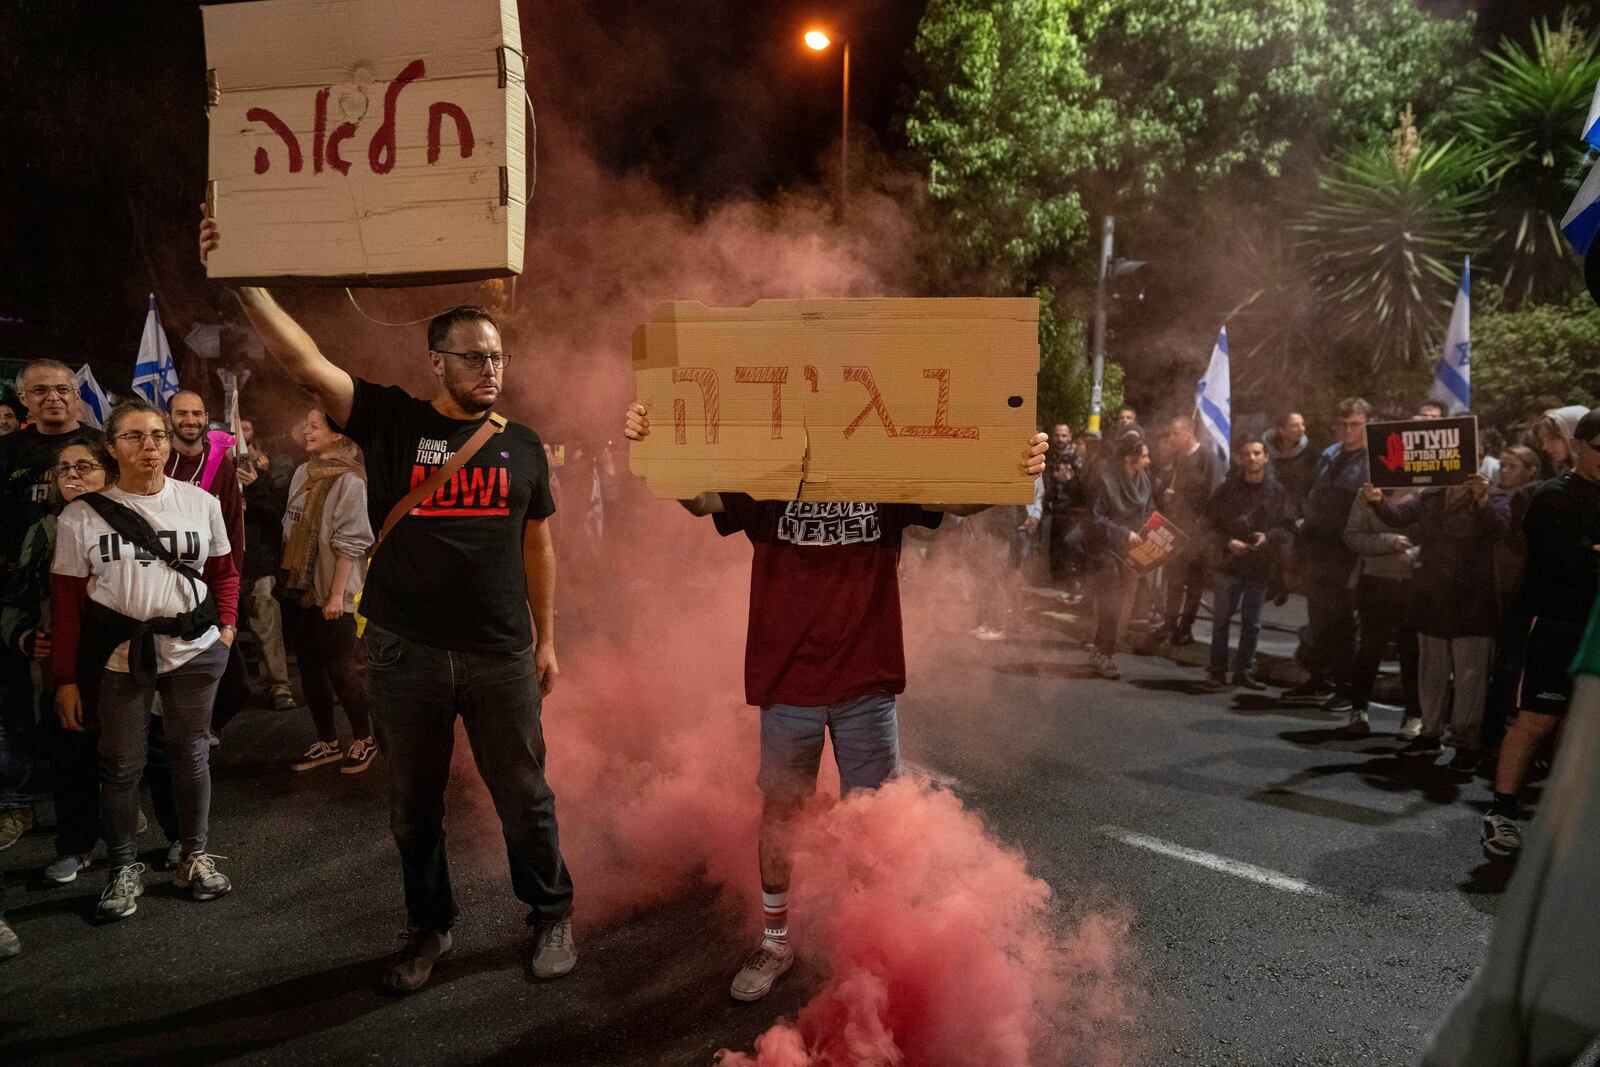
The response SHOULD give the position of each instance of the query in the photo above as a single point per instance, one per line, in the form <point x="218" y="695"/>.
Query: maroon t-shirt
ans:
<point x="824" y="597"/>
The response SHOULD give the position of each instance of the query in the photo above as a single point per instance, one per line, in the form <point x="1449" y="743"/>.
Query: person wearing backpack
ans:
<point x="144" y="595"/>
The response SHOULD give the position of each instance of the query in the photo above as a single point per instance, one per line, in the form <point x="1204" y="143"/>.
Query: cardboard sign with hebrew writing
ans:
<point x="369" y="141"/>
<point x="1419" y="453"/>
<point x="880" y="400"/>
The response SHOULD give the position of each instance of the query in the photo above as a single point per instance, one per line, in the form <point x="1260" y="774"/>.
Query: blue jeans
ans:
<point x="1235" y="593"/>
<point x="417" y="691"/>
<point x="866" y="745"/>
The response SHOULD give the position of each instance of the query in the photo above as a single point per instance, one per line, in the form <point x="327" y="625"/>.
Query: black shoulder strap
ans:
<point x="133" y="526"/>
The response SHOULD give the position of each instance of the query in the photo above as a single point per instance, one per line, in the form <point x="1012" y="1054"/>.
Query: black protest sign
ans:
<point x="1422" y="452"/>
<point x="1161" y="541"/>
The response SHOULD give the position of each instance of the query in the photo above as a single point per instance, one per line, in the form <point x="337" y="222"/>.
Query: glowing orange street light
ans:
<point x="818" y="41"/>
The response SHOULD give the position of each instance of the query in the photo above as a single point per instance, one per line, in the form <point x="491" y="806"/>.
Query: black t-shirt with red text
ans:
<point x="824" y="597"/>
<point x="450" y="573"/>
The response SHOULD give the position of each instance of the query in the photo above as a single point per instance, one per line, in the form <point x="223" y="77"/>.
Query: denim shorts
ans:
<point x="866" y="745"/>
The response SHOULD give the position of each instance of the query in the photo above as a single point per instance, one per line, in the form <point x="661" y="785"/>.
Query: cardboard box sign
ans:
<point x="883" y="400"/>
<point x="1420" y="453"/>
<point x="369" y="141"/>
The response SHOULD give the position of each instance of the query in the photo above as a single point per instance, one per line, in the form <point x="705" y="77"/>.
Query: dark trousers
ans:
<point x="1065" y="545"/>
<point x="418" y="691"/>
<point x="1186" y="583"/>
<point x="1331" y="644"/>
<point x="1243" y="593"/>
<point x="1386" y="615"/>
<point x="1112" y="585"/>
<point x="19" y="734"/>
<point x="326" y="653"/>
<point x="75" y="758"/>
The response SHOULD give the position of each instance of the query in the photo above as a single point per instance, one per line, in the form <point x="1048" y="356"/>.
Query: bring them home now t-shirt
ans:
<point x="450" y="573"/>
<point x="824" y="597"/>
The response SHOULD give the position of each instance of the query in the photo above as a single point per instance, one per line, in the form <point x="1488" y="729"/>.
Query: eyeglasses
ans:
<point x="134" y="437"/>
<point x="476" y="360"/>
<point x="39" y="392"/>
<point x="80" y="468"/>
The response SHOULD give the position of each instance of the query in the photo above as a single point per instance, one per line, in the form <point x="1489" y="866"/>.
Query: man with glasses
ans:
<point x="460" y="609"/>
<point x="1562" y="527"/>
<point x="27" y="458"/>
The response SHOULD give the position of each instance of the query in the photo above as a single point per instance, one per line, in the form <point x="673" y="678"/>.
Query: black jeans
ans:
<point x="1331" y="646"/>
<point x="1186" y="583"/>
<point x="1386" y="615"/>
<point x="326" y="654"/>
<point x="75" y="758"/>
<point x="417" y="693"/>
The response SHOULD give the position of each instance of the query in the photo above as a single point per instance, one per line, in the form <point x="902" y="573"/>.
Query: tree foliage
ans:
<point x="1533" y="358"/>
<point x="1524" y="111"/>
<point x="1386" y="237"/>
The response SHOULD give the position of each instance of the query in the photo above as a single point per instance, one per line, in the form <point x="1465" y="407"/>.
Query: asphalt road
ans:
<point x="1363" y="910"/>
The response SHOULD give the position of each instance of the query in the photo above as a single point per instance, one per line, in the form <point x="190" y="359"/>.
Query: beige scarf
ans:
<point x="297" y="578"/>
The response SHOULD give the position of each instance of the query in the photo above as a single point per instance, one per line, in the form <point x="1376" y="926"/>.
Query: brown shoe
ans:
<point x="412" y="968"/>
<point x="13" y="824"/>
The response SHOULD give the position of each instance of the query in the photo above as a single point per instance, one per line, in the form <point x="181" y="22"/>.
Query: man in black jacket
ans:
<point x="1562" y="527"/>
<point x="1194" y="470"/>
<point x="1250" y="519"/>
<point x="1330" y="646"/>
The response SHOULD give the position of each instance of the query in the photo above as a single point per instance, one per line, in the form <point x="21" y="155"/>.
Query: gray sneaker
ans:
<point x="198" y="873"/>
<point x="411" y="969"/>
<point x="65" y="869"/>
<point x="122" y="893"/>
<point x="174" y="856"/>
<point x="765" y="966"/>
<point x="1501" y="837"/>
<point x="554" y="954"/>
<point x="10" y="943"/>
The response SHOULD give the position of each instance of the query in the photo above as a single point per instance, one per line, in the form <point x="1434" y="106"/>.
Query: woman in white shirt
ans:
<point x="131" y="621"/>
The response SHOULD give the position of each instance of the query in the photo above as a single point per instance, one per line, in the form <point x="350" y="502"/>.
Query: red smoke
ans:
<point x="943" y="951"/>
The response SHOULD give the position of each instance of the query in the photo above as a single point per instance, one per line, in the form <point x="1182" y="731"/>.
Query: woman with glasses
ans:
<point x="137" y="617"/>
<point x="25" y="628"/>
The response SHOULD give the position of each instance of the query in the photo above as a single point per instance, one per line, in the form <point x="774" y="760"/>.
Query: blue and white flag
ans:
<point x="1582" y="220"/>
<point x="1213" y="396"/>
<point x="1591" y="125"/>
<point x="154" y="376"/>
<point x="96" y="406"/>
<point x="1452" y="375"/>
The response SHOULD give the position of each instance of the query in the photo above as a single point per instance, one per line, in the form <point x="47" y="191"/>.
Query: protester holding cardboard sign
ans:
<point x="824" y="656"/>
<point x="460" y="609"/>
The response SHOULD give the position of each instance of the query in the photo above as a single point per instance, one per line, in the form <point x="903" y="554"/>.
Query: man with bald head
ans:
<point x="200" y="457"/>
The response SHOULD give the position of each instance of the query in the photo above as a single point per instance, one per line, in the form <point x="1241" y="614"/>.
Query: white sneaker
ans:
<point x="1501" y="837"/>
<point x="122" y="892"/>
<point x="765" y="966"/>
<point x="988" y="633"/>
<point x="198" y="873"/>
<point x="1410" y="727"/>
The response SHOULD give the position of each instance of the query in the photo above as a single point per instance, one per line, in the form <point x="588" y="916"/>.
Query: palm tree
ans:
<point x="1385" y="236"/>
<point x="1524" y="112"/>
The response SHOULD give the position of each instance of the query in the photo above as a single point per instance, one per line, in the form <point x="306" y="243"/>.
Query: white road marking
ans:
<point x="1237" y="868"/>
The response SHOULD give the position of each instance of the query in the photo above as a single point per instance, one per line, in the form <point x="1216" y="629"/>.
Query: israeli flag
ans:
<point x="1591" y="125"/>
<point x="96" y="406"/>
<point x="1452" y="376"/>
<point x="1582" y="220"/>
<point x="1213" y="396"/>
<point x="154" y="376"/>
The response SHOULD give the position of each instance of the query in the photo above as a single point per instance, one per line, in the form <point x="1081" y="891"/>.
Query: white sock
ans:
<point x="775" y="915"/>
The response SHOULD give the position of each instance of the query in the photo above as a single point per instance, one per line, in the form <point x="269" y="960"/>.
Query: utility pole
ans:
<point x="1100" y="323"/>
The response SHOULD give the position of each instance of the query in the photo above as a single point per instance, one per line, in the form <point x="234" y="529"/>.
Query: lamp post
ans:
<point x="820" y="41"/>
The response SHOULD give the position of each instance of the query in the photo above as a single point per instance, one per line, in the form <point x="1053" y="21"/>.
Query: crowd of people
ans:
<point x="1481" y="591"/>
<point x="410" y="572"/>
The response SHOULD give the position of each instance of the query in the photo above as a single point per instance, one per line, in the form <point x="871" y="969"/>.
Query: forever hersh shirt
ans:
<point x="450" y="573"/>
<point x="824" y="597"/>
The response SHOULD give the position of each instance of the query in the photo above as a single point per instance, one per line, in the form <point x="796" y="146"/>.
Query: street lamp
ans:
<point x="820" y="41"/>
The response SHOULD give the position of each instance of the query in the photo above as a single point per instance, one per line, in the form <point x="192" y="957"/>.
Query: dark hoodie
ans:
<point x="1294" y="466"/>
